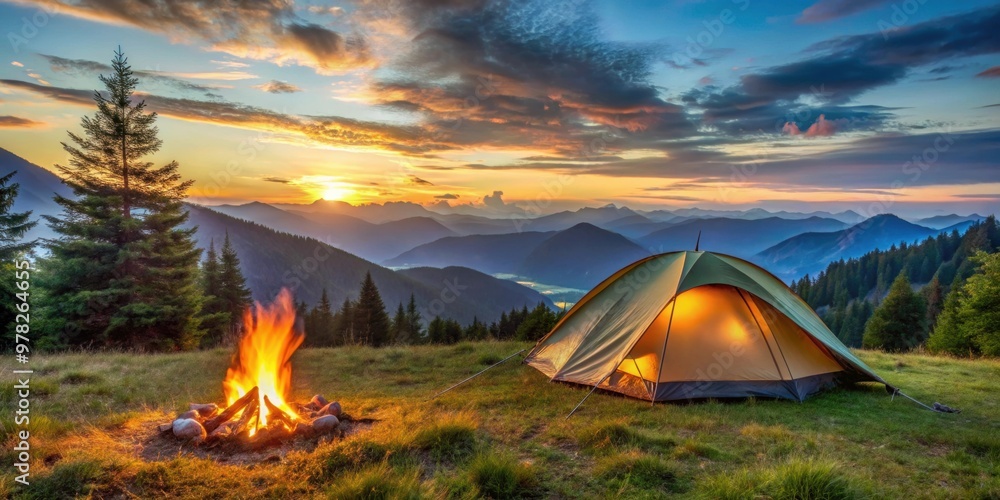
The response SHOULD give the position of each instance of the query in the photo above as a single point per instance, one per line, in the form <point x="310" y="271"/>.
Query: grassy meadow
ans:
<point x="505" y="434"/>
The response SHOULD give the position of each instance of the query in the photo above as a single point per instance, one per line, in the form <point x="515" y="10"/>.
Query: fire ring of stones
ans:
<point x="242" y="426"/>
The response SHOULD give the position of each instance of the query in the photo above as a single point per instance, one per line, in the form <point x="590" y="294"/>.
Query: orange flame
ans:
<point x="262" y="359"/>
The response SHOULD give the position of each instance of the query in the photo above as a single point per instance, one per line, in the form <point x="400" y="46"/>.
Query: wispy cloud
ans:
<point x="268" y="30"/>
<point x="829" y="10"/>
<point x="86" y="67"/>
<point x="9" y="121"/>
<point x="993" y="72"/>
<point x="278" y="87"/>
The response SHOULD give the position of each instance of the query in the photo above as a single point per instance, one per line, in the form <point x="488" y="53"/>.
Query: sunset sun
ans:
<point x="336" y="192"/>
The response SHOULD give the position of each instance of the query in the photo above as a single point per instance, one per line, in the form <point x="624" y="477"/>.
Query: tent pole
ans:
<point x="484" y="370"/>
<point x="663" y="353"/>
<point x="588" y="395"/>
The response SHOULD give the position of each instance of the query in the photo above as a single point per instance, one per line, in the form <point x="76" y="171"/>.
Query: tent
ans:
<point x="692" y="325"/>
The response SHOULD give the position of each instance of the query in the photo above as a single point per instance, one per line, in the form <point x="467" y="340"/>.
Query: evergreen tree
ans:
<point x="476" y="330"/>
<point x="343" y="324"/>
<point x="400" y="331"/>
<point x="413" y="320"/>
<point x="934" y="297"/>
<point x="370" y="318"/>
<point x="13" y="226"/>
<point x="320" y="325"/>
<point x="970" y="321"/>
<point x="121" y="272"/>
<point x="436" y="331"/>
<point x="233" y="291"/>
<point x="898" y="323"/>
<point x="949" y="334"/>
<point x="215" y="319"/>
<point x="537" y="323"/>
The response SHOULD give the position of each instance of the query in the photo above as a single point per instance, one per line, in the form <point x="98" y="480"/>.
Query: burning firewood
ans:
<point x="250" y="413"/>
<point x="233" y="409"/>
<point x="277" y="413"/>
<point x="256" y="389"/>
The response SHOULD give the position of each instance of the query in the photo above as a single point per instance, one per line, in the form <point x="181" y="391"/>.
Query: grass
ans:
<point x="505" y="434"/>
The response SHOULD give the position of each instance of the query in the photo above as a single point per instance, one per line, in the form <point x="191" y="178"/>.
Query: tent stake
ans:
<point x="587" y="396"/>
<point x="498" y="363"/>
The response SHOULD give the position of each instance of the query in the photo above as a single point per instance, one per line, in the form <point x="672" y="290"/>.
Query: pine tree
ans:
<point x="934" y="297"/>
<point x="537" y="323"/>
<point x="970" y="321"/>
<point x="414" y="321"/>
<point x="233" y="291"/>
<point x="13" y="227"/>
<point x="476" y="330"/>
<point x="343" y="324"/>
<point x="320" y="330"/>
<point x="898" y="323"/>
<point x="436" y="331"/>
<point x="215" y="319"/>
<point x="370" y="318"/>
<point x="949" y="334"/>
<point x="400" y="326"/>
<point x="121" y="272"/>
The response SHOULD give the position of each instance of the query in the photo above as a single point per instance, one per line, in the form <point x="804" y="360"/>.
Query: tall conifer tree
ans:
<point x="122" y="272"/>
<point x="370" y="319"/>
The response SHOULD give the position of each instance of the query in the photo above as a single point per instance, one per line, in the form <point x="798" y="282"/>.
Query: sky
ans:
<point x="500" y="107"/>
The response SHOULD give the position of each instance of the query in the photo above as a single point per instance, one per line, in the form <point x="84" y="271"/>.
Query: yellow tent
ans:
<point x="687" y="325"/>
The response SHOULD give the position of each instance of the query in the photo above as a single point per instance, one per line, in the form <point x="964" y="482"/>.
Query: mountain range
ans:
<point x="811" y="252"/>
<point x="572" y="249"/>
<point x="271" y="260"/>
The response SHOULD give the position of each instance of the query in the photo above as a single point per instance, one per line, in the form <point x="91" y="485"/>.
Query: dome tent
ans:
<point x="691" y="325"/>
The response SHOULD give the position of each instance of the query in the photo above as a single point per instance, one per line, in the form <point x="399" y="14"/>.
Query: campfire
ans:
<point x="257" y="413"/>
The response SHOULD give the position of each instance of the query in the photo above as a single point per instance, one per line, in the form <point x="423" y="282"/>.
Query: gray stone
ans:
<point x="318" y="402"/>
<point x="331" y="409"/>
<point x="205" y="410"/>
<point x="326" y="423"/>
<point x="190" y="414"/>
<point x="189" y="429"/>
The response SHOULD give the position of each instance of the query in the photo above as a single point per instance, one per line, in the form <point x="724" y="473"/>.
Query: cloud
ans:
<point x="278" y="180"/>
<point x="829" y="10"/>
<point x="495" y="200"/>
<point x="16" y="63"/>
<point x="209" y="75"/>
<point x="418" y="181"/>
<point x="267" y="30"/>
<point x="18" y="122"/>
<point x="231" y="64"/>
<point x="323" y="9"/>
<point x="498" y="57"/>
<point x="821" y="128"/>
<point x="993" y="72"/>
<point x="38" y="78"/>
<point x="447" y="196"/>
<point x="278" y="87"/>
<point x="86" y="67"/>
<point x="328" y="130"/>
<point x="843" y="68"/>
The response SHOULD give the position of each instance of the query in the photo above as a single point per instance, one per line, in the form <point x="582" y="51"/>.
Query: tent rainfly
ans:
<point x="691" y="325"/>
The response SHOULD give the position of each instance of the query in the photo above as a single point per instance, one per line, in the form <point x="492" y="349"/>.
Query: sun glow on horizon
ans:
<point x="336" y="192"/>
